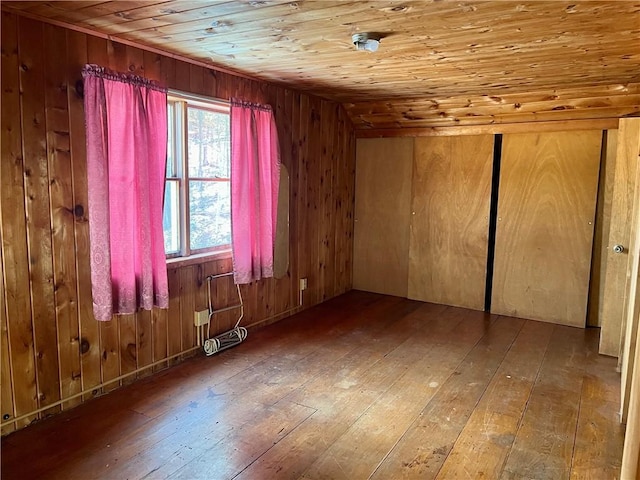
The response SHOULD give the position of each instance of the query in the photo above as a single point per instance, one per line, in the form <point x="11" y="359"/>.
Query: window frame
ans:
<point x="179" y="102"/>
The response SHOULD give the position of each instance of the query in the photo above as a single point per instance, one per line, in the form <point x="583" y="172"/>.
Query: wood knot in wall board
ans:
<point x="131" y="351"/>
<point x="79" y="88"/>
<point x="85" y="346"/>
<point x="78" y="211"/>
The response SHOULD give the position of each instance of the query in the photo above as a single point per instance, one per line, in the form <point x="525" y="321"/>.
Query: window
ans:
<point x="197" y="204"/>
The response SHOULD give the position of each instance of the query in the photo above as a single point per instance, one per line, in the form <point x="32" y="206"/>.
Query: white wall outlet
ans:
<point x="201" y="318"/>
<point x="303" y="283"/>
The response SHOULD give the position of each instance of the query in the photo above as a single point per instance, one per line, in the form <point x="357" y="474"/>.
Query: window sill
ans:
<point x="177" y="262"/>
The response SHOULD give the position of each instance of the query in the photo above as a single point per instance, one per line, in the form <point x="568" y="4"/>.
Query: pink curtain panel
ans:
<point x="126" y="121"/>
<point x="255" y="175"/>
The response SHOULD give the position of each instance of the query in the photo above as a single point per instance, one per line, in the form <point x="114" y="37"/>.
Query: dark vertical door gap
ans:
<point x="493" y="219"/>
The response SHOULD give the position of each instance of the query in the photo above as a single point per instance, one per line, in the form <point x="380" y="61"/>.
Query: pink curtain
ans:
<point x="255" y="173"/>
<point x="126" y="121"/>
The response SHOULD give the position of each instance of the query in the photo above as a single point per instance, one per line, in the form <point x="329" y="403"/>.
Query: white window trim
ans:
<point x="186" y="255"/>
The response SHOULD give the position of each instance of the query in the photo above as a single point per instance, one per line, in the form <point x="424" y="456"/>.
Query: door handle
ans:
<point x="618" y="249"/>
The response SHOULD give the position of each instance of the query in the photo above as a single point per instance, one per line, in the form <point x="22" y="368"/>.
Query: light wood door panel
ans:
<point x="382" y="211"/>
<point x="450" y="220"/>
<point x="623" y="185"/>
<point x="546" y="209"/>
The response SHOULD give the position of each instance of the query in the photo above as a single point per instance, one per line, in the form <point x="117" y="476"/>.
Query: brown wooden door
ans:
<point x="383" y="203"/>
<point x="450" y="219"/>
<point x="546" y="209"/>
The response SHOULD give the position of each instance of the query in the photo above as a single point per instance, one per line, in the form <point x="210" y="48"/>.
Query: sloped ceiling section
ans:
<point x="440" y="63"/>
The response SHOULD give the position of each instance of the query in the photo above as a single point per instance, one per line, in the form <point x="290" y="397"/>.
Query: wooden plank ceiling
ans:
<point x="440" y="62"/>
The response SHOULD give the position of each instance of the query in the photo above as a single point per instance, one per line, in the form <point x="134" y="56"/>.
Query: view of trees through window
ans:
<point x="201" y="180"/>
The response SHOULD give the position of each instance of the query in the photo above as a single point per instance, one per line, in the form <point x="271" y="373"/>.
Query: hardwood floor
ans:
<point x="363" y="386"/>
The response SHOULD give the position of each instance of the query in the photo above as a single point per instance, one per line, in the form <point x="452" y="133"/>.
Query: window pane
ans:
<point x="209" y="143"/>
<point x="171" y="141"/>
<point x="210" y="214"/>
<point x="170" y="218"/>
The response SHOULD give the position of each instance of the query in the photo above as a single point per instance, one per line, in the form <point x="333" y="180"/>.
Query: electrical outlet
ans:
<point x="201" y="318"/>
<point x="303" y="283"/>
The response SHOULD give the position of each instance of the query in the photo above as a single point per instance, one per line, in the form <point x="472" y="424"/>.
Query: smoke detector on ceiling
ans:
<point x="366" y="41"/>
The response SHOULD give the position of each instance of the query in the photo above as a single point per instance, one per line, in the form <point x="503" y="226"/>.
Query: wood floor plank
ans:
<point x="428" y="362"/>
<point x="423" y="449"/>
<point x="343" y="394"/>
<point x="241" y="447"/>
<point x="543" y="447"/>
<point x="362" y="386"/>
<point x="485" y="442"/>
<point x="600" y="435"/>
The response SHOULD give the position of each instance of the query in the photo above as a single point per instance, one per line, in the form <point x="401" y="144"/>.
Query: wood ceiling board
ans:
<point x="431" y="49"/>
<point x="539" y="127"/>
<point x="590" y="102"/>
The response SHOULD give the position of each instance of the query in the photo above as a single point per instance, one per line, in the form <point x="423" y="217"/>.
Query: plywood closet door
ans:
<point x="546" y="209"/>
<point x="450" y="220"/>
<point x="382" y="211"/>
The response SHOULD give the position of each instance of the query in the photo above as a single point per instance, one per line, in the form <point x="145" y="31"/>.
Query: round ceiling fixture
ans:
<point x="366" y="41"/>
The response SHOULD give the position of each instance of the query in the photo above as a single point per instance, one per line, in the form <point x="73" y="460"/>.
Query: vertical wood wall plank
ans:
<point x="98" y="53"/>
<point x="209" y="83"/>
<point x="282" y="286"/>
<point x="152" y="66"/>
<point x="182" y="76"/>
<point x="304" y="221"/>
<point x="14" y="235"/>
<point x="187" y="306"/>
<point x="62" y="208"/>
<point x="6" y="392"/>
<point x="31" y="37"/>
<point x="292" y="110"/>
<point x="174" y="321"/>
<point x="153" y="69"/>
<point x="128" y="341"/>
<point x="313" y="202"/>
<point x="144" y="340"/>
<point x="349" y="202"/>
<point x="89" y="331"/>
<point x="341" y="212"/>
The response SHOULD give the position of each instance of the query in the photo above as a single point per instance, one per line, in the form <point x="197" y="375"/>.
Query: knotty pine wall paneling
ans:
<point x="52" y="347"/>
<point x="15" y="257"/>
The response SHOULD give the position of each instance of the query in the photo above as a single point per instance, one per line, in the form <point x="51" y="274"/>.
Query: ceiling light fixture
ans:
<point x="366" y="41"/>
